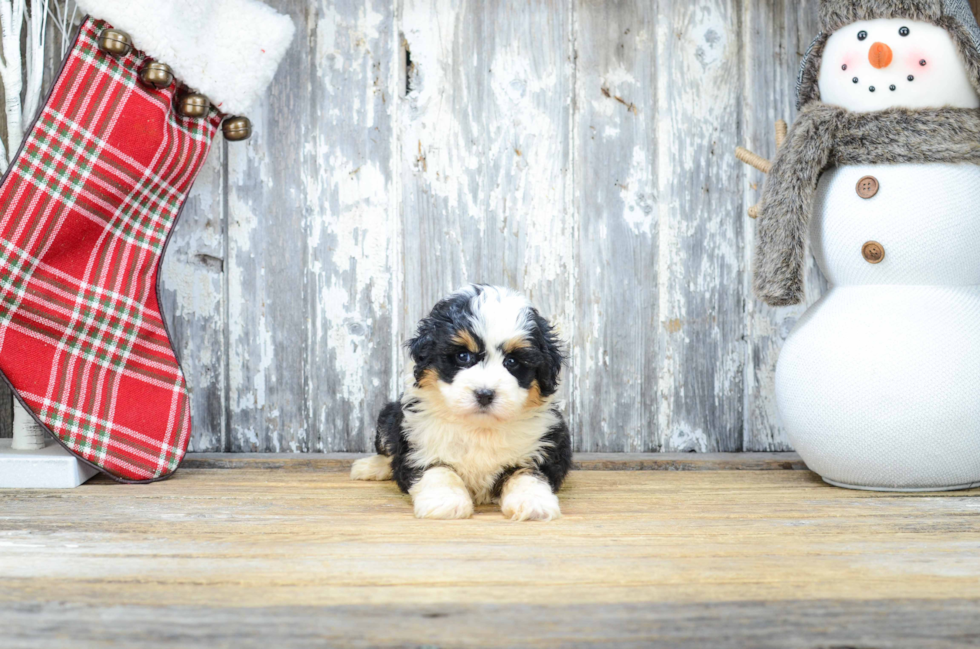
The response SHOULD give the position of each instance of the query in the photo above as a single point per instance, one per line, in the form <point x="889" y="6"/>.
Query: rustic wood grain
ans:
<point x="341" y="462"/>
<point x="758" y="556"/>
<point x="689" y="462"/>
<point x="615" y="342"/>
<point x="309" y="276"/>
<point x="352" y="225"/>
<point x="6" y="411"/>
<point x="268" y="260"/>
<point x="702" y="329"/>
<point x="485" y="150"/>
<point x="896" y="624"/>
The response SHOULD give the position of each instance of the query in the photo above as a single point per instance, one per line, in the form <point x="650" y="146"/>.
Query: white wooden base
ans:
<point x="907" y="490"/>
<point x="51" y="467"/>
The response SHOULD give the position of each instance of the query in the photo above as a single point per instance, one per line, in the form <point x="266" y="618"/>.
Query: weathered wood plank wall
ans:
<point x="578" y="150"/>
<point x="613" y="382"/>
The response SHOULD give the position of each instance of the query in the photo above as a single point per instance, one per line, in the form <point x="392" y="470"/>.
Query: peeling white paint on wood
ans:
<point x="614" y="369"/>
<point x="701" y="333"/>
<point x="351" y="307"/>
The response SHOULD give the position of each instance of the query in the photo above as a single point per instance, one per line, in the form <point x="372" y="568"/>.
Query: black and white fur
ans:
<point x="477" y="423"/>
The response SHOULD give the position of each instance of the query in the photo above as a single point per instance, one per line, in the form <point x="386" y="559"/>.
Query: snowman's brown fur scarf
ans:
<point x="824" y="136"/>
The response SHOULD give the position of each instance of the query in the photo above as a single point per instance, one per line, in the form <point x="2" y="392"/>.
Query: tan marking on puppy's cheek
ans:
<point x="429" y="392"/>
<point x="534" y="398"/>
<point x="430" y="379"/>
<point x="463" y="338"/>
<point x="514" y="344"/>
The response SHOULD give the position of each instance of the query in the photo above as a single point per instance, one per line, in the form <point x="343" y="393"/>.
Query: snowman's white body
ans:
<point x="878" y="386"/>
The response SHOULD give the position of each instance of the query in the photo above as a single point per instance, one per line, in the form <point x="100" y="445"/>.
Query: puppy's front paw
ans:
<point x="528" y="498"/>
<point x="446" y="506"/>
<point x="441" y="494"/>
<point x="376" y="467"/>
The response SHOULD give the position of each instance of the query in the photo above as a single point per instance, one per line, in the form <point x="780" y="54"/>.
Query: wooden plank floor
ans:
<point x="282" y="558"/>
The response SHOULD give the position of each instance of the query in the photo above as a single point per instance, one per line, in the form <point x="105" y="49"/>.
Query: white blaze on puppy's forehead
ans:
<point x="500" y="316"/>
<point x="498" y="321"/>
<point x="888" y="67"/>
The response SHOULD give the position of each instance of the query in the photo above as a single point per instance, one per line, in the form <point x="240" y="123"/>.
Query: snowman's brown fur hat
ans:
<point x="834" y="14"/>
<point x="955" y="16"/>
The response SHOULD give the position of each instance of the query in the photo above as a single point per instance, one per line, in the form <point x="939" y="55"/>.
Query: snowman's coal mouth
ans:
<point x="891" y="87"/>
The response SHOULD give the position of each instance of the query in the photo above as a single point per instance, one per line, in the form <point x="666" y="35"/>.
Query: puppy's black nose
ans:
<point x="484" y="397"/>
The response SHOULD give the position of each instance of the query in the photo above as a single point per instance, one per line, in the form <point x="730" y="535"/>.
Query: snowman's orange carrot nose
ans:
<point x="880" y="55"/>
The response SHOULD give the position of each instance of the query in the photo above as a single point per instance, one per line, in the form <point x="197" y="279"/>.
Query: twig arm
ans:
<point x="760" y="163"/>
<point x="782" y="128"/>
<point x="753" y="160"/>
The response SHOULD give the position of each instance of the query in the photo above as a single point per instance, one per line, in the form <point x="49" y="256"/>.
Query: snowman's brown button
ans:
<point x="873" y="252"/>
<point x="867" y="187"/>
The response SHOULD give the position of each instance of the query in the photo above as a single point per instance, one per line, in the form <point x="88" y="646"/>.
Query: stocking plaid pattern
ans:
<point x="86" y="210"/>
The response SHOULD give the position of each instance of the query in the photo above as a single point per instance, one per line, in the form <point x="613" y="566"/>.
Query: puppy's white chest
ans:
<point x="477" y="454"/>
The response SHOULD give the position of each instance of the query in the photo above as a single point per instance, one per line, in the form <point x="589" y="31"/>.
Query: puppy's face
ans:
<point x="486" y="355"/>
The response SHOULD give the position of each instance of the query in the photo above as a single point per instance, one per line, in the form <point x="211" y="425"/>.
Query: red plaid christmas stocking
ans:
<point x="86" y="210"/>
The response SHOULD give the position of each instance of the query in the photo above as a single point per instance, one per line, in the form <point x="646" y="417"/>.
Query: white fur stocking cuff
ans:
<point x="226" y="49"/>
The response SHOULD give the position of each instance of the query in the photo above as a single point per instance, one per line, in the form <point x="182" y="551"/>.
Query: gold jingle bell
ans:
<point x="194" y="105"/>
<point x="115" y="42"/>
<point x="156" y="74"/>
<point x="237" y="129"/>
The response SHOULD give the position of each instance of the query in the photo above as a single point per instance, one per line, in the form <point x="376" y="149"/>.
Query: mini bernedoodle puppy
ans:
<point x="477" y="423"/>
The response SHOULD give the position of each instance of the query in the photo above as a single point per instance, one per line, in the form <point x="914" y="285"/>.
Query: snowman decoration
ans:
<point x="878" y="386"/>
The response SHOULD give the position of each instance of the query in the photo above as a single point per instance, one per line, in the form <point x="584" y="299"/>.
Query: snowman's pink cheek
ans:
<point x="918" y="63"/>
<point x="848" y="62"/>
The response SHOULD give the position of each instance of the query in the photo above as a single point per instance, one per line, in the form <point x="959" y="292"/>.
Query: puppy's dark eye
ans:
<point x="862" y="35"/>
<point x="465" y="359"/>
<point x="904" y="31"/>
<point x="510" y="362"/>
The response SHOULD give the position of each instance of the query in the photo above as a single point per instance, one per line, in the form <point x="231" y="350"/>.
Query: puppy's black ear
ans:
<point x="422" y="347"/>
<point x="549" y="371"/>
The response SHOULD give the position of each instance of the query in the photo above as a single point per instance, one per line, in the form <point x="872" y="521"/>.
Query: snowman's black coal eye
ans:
<point x="862" y="35"/>
<point x="904" y="31"/>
